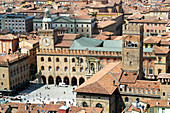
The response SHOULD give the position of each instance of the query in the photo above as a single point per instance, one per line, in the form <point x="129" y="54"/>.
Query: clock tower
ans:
<point x="48" y="36"/>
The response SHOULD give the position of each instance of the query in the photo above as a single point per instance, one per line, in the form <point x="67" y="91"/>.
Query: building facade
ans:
<point x="14" y="72"/>
<point x="20" y="23"/>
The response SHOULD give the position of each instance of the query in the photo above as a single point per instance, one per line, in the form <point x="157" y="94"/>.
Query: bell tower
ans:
<point x="132" y="53"/>
<point x="48" y="35"/>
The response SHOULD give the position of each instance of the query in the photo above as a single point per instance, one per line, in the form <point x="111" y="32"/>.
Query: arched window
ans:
<point x="65" y="59"/>
<point x="42" y="58"/>
<point x="57" y="68"/>
<point x="73" y="69"/>
<point x="49" y="59"/>
<point x="73" y="59"/>
<point x="126" y="99"/>
<point x="81" y="60"/>
<point x="42" y="67"/>
<point x="150" y="70"/>
<point x="57" y="60"/>
<point x="81" y="69"/>
<point x="159" y="71"/>
<point x="137" y="100"/>
<point x="84" y="104"/>
<point x="49" y="68"/>
<point x="3" y="75"/>
<point x="66" y="68"/>
<point x="98" y="105"/>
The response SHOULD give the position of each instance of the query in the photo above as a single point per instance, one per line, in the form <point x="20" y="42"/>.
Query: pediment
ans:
<point x="62" y="19"/>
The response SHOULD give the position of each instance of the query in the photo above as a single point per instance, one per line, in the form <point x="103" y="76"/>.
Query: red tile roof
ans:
<point x="102" y="81"/>
<point x="160" y="50"/>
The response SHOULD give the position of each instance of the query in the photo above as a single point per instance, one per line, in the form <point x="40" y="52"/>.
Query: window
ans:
<point x="49" y="68"/>
<point x="144" y="70"/>
<point x="114" y="60"/>
<point x="87" y="30"/>
<point x="71" y="30"/>
<point x="3" y="75"/>
<point x="84" y="104"/>
<point x="101" y="60"/>
<point x="150" y="60"/>
<point x="108" y="60"/>
<point x="159" y="71"/>
<point x="26" y="66"/>
<point x="151" y="70"/>
<point x="65" y="69"/>
<point x="2" y="83"/>
<point x="57" y="68"/>
<point x="42" y="58"/>
<point x="49" y="59"/>
<point x="73" y="59"/>
<point x="146" y="45"/>
<point x="81" y="69"/>
<point x="151" y="110"/>
<point x="98" y="105"/>
<point x="82" y="30"/>
<point x="42" y="67"/>
<point x="82" y="25"/>
<point x="159" y="59"/>
<point x="81" y="60"/>
<point x="21" y="68"/>
<point x="147" y="24"/>
<point x="87" y="26"/>
<point x="101" y="67"/>
<point x="65" y="59"/>
<point x="151" y="45"/>
<point x="147" y="30"/>
<point x="155" y="24"/>
<point x="137" y="100"/>
<point x="126" y="99"/>
<point x="57" y="59"/>
<point x="73" y="69"/>
<point x="163" y="110"/>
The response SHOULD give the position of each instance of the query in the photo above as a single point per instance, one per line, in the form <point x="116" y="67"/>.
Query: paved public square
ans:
<point x="37" y="93"/>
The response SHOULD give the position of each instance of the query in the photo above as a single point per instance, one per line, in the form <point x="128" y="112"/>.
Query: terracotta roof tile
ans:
<point x="102" y="81"/>
<point x="160" y="50"/>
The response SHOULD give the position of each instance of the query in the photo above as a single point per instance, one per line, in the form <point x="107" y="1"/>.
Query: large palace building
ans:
<point x="73" y="59"/>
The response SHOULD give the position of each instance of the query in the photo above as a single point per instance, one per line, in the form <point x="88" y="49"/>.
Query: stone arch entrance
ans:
<point x="81" y="80"/>
<point x="43" y="79"/>
<point x="50" y="80"/>
<point x="74" y="81"/>
<point x="66" y="80"/>
<point x="58" y="79"/>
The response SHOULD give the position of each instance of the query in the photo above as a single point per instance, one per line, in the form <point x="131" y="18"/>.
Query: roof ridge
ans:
<point x="103" y="87"/>
<point x="109" y="71"/>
